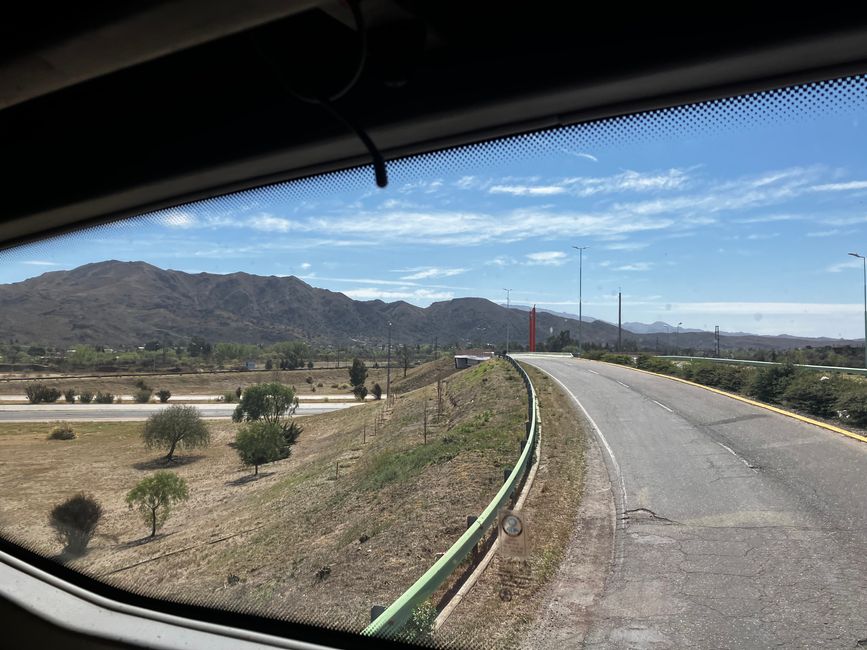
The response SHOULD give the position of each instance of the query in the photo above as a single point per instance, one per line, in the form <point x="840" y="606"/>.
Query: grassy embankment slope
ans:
<point x="304" y="541"/>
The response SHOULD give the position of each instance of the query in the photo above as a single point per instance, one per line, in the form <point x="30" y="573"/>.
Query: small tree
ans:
<point x="69" y="395"/>
<point x="272" y="402"/>
<point x="357" y="373"/>
<point x="85" y="397"/>
<point x="143" y="395"/>
<point x="39" y="393"/>
<point x="377" y="391"/>
<point x="176" y="426"/>
<point x="75" y="521"/>
<point x="405" y="358"/>
<point x="164" y="394"/>
<point x="155" y="496"/>
<point x="103" y="398"/>
<point x="261" y="442"/>
<point x="360" y="392"/>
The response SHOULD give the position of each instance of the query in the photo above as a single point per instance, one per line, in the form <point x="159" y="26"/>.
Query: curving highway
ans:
<point x="735" y="527"/>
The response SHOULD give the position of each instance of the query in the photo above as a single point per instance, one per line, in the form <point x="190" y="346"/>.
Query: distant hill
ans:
<point x="128" y="303"/>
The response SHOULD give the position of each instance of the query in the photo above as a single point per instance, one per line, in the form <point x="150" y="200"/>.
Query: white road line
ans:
<point x="593" y="371"/>
<point x="735" y="454"/>
<point x="621" y="383"/>
<point x="662" y="405"/>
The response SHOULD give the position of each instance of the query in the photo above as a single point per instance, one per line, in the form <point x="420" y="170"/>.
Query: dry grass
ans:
<point x="500" y="609"/>
<point x="290" y="543"/>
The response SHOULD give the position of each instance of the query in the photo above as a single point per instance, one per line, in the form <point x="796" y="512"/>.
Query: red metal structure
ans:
<point x="533" y="329"/>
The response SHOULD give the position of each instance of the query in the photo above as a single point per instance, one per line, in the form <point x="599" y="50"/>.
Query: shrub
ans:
<point x="69" y="395"/>
<point x="308" y="379"/>
<point x="718" y="375"/>
<point x="40" y="393"/>
<point x="156" y="495"/>
<point x="74" y="522"/>
<point x="164" y="394"/>
<point x="85" y="397"/>
<point x="229" y="397"/>
<point x="655" y="364"/>
<point x="377" y="391"/>
<point x="309" y="365"/>
<point x="320" y="385"/>
<point x="622" y="359"/>
<point x="769" y="383"/>
<point x="176" y="426"/>
<point x="807" y="392"/>
<point x="335" y="386"/>
<point x="360" y="393"/>
<point x="852" y="405"/>
<point x="103" y="398"/>
<point x="273" y="402"/>
<point x="62" y="431"/>
<point x="420" y="626"/>
<point x="143" y="395"/>
<point x="141" y="385"/>
<point x="259" y="443"/>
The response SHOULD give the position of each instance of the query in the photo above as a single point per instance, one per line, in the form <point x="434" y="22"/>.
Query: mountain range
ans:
<point x="129" y="303"/>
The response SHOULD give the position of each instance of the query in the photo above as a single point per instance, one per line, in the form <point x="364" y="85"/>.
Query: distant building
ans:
<point x="249" y="365"/>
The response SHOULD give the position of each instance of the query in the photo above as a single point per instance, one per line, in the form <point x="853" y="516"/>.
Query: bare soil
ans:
<point x="350" y="520"/>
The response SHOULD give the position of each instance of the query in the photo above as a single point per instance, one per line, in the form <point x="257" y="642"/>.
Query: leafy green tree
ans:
<point x="377" y="391"/>
<point x="176" y="426"/>
<point x="293" y="353"/>
<point x="155" y="496"/>
<point x="74" y="522"/>
<point x="405" y="357"/>
<point x="261" y="442"/>
<point x="357" y="373"/>
<point x="272" y="402"/>
<point x="199" y="347"/>
<point x="360" y="392"/>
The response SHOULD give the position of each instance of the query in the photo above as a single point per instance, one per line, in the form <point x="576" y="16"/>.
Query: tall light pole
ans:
<point x="388" y="366"/>
<point x="676" y="334"/>
<point x="580" y="250"/>
<point x="508" y="304"/>
<point x="864" y="264"/>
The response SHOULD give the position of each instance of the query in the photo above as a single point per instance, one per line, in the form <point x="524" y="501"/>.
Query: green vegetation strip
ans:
<point x="750" y="362"/>
<point x="390" y="623"/>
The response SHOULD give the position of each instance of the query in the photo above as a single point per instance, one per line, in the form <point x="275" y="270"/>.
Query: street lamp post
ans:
<point x="676" y="334"/>
<point x="388" y="366"/>
<point x="508" y="305"/>
<point x="864" y="265"/>
<point x="580" y="250"/>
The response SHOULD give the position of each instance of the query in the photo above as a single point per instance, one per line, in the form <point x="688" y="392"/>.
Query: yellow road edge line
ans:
<point x="746" y="400"/>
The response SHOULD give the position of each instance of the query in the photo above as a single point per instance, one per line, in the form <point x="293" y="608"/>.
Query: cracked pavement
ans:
<point x="735" y="527"/>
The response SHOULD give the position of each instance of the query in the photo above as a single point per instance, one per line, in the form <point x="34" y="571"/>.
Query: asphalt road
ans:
<point x="736" y="527"/>
<point x="132" y="412"/>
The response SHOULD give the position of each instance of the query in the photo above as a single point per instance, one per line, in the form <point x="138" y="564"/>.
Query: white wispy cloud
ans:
<point x="415" y="295"/>
<point x="581" y="154"/>
<point x="840" y="187"/>
<point x="40" y="263"/>
<point x="546" y="258"/>
<point x="306" y="265"/>
<point x="501" y="260"/>
<point x="312" y="277"/>
<point x="429" y="272"/>
<point x="843" y="266"/>
<point x="824" y="233"/>
<point x="761" y="236"/>
<point x="626" y="246"/>
<point x="527" y="190"/>
<point x="635" y="266"/>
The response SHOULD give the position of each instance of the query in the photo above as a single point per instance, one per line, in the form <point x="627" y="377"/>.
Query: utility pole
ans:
<point x="619" y="323"/>
<point x="864" y="264"/>
<point x="338" y="356"/>
<point x="716" y="337"/>
<point x="508" y="304"/>
<point x="676" y="335"/>
<point x="388" y="366"/>
<point x="580" y="250"/>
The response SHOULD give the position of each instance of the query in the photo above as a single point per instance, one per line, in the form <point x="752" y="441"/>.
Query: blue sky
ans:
<point x="748" y="230"/>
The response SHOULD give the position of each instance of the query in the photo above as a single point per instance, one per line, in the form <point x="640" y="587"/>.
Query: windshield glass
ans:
<point x="475" y="400"/>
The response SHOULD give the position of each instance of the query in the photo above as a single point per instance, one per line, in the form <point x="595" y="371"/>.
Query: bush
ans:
<point x="229" y="397"/>
<point x="377" y="391"/>
<point x="622" y="359"/>
<point x="335" y="386"/>
<point x="308" y="379"/>
<point x="69" y="395"/>
<point x="807" y="392"/>
<point x="309" y="365"/>
<point x="360" y="393"/>
<point x="259" y="443"/>
<point x="655" y="364"/>
<point x="718" y="375"/>
<point x="164" y="394"/>
<point x="85" y="397"/>
<point x="103" y="398"/>
<point x="420" y="626"/>
<point x="141" y="385"/>
<point x="62" y="431"/>
<point x="74" y="521"/>
<point x="273" y="402"/>
<point x="852" y="405"/>
<point x="40" y="393"/>
<point x="769" y="383"/>
<point x="320" y="385"/>
<point x="176" y="426"/>
<point x="143" y="395"/>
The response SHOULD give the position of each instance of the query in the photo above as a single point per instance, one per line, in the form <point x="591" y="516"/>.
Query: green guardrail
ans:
<point x="391" y="621"/>
<point x="749" y="362"/>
